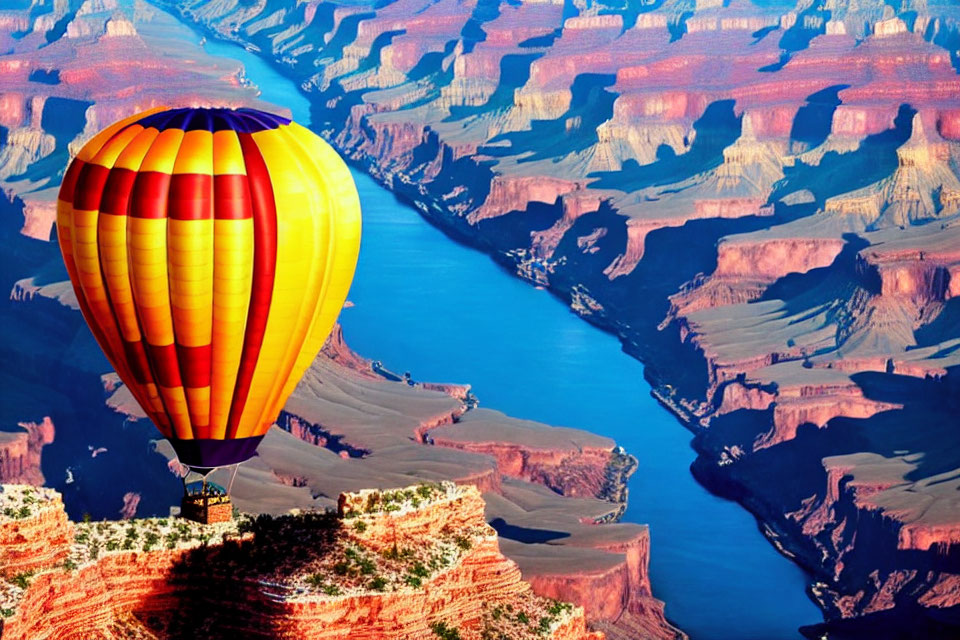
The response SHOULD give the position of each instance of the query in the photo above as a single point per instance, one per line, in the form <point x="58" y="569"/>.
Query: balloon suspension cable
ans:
<point x="233" y="477"/>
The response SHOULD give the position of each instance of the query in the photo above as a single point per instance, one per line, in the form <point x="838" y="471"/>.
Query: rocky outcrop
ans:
<point x="868" y="497"/>
<point x="337" y="350"/>
<point x="570" y="462"/>
<point x="427" y="564"/>
<point x="20" y="451"/>
<point x="34" y="530"/>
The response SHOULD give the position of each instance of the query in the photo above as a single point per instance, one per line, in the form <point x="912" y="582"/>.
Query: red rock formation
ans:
<point x="817" y="405"/>
<point x="141" y="590"/>
<point x="576" y="471"/>
<point x="868" y="495"/>
<point x="618" y="597"/>
<point x="338" y="351"/>
<point x="131" y="501"/>
<point x="20" y="452"/>
<point x="37" y="538"/>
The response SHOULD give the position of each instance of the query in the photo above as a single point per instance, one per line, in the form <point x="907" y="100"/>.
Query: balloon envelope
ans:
<point x="211" y="251"/>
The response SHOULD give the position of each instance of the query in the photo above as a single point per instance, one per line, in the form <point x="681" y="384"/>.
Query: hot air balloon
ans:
<point x="211" y="251"/>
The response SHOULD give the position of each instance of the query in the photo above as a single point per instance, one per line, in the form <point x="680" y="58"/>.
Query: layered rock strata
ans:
<point x="418" y="562"/>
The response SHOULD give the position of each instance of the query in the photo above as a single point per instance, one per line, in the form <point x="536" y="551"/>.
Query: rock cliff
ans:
<point x="416" y="562"/>
<point x="20" y="452"/>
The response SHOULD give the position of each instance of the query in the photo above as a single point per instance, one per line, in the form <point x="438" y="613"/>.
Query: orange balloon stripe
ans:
<point x="96" y="143"/>
<point x="191" y="249"/>
<point x="264" y="269"/>
<point x="112" y="242"/>
<point x="191" y="296"/>
<point x="86" y="254"/>
<point x="115" y="262"/>
<point x="227" y="154"/>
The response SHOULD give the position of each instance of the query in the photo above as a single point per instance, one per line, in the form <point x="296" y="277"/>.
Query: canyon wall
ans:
<point x="153" y="592"/>
<point x="20" y="451"/>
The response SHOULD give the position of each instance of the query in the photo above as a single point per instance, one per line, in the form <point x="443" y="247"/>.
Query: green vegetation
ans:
<point x="22" y="501"/>
<point x="22" y="580"/>
<point x="396" y="500"/>
<point x="419" y="570"/>
<point x="360" y="526"/>
<point x="92" y="539"/>
<point x="545" y="624"/>
<point x="524" y="618"/>
<point x="445" y="632"/>
<point x="150" y="540"/>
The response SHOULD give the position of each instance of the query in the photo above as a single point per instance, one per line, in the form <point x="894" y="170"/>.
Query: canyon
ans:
<point x="760" y="199"/>
<point x="554" y="495"/>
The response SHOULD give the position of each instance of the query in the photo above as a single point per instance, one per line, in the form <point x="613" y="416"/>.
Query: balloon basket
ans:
<point x="206" y="503"/>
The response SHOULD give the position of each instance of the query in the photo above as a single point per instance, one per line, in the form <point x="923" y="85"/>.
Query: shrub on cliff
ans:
<point x="22" y="580"/>
<point x="445" y="632"/>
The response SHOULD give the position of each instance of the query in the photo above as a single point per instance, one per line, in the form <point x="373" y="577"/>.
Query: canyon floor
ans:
<point x="760" y="199"/>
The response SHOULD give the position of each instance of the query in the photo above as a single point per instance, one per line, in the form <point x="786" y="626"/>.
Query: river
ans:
<point x="444" y="312"/>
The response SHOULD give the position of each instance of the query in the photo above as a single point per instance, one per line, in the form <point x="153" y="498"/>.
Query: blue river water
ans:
<point x="444" y="312"/>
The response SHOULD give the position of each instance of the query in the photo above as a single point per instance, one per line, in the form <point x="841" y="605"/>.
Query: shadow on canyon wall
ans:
<point x="231" y="590"/>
